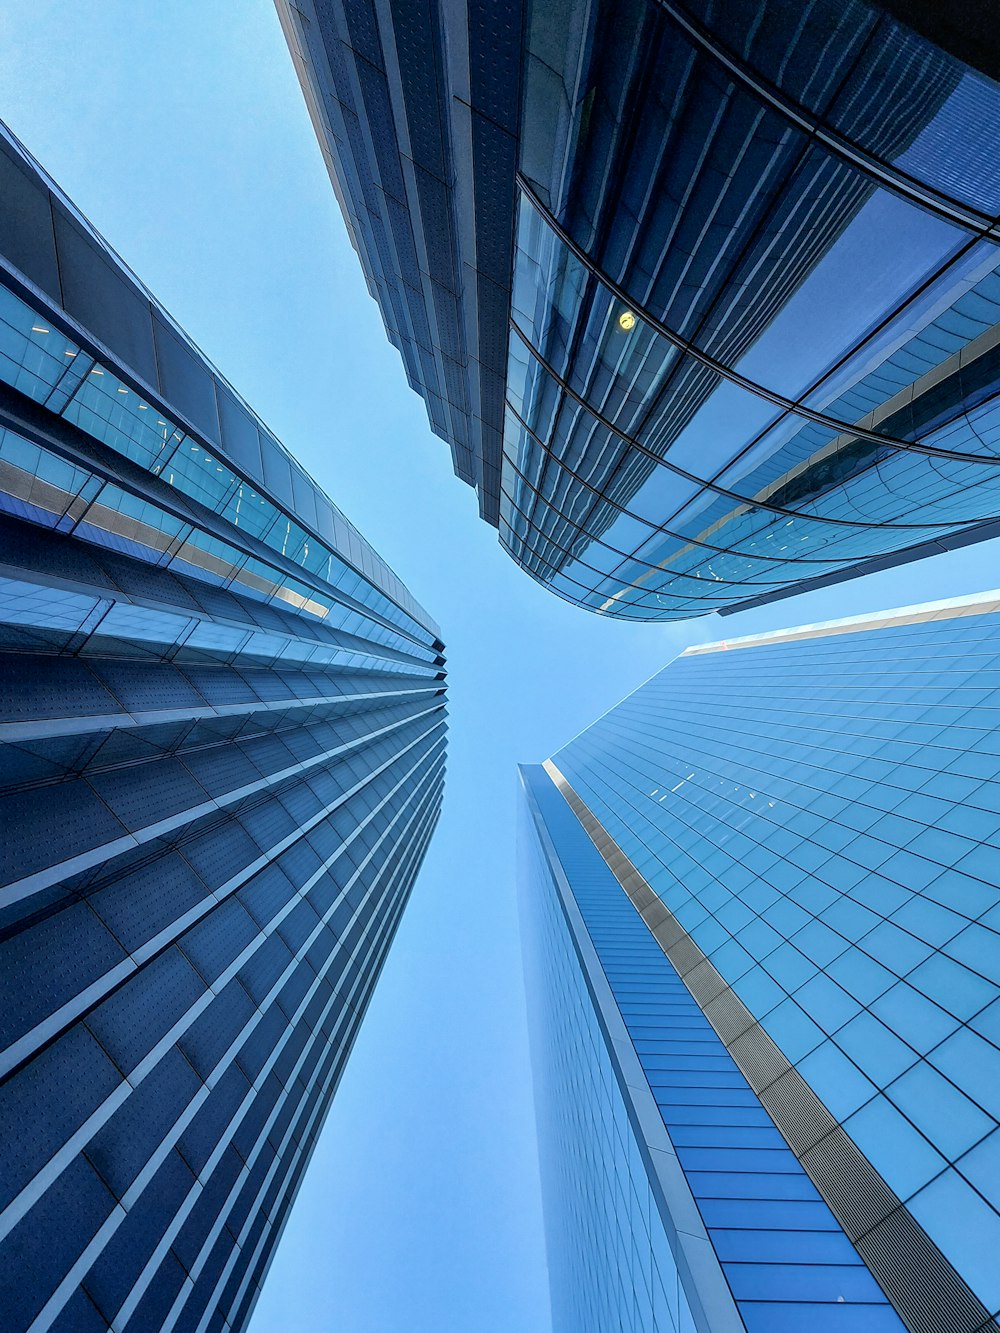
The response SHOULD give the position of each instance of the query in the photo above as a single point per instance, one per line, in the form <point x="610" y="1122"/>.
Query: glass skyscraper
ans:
<point x="704" y="294"/>
<point x="221" y="759"/>
<point x="761" y="912"/>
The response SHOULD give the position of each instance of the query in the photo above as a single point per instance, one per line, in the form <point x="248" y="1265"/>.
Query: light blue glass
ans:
<point x="966" y="1227"/>
<point x="40" y="361"/>
<point x="843" y="777"/>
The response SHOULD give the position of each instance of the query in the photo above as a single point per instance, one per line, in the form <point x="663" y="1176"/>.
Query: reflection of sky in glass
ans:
<point x="40" y="362"/>
<point x="595" y="1180"/>
<point x="839" y="869"/>
<point x="887" y="250"/>
<point x="729" y="416"/>
<point x="42" y="606"/>
<point x="559" y="525"/>
<point x="123" y="521"/>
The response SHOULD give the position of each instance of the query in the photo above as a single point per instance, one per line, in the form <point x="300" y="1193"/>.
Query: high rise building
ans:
<point x="704" y="295"/>
<point x="221" y="759"/>
<point x="762" y="932"/>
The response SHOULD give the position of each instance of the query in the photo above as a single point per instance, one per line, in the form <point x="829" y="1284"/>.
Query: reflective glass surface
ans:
<point x="221" y="760"/>
<point x="610" y="1260"/>
<point x="820" y="813"/>
<point x="754" y="305"/>
<point x="753" y="279"/>
<point x="780" y="1250"/>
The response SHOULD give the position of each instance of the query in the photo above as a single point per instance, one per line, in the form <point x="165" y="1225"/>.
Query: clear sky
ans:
<point x="179" y="128"/>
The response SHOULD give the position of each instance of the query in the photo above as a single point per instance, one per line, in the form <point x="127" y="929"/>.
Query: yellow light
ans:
<point x="626" y="321"/>
<point x="95" y="371"/>
<point x="37" y="328"/>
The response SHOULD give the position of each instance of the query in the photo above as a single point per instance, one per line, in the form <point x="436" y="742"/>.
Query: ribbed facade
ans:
<point x="704" y="295"/>
<point x="781" y="857"/>
<point x="222" y="751"/>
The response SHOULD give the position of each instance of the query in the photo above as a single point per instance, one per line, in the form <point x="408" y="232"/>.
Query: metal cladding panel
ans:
<point x="26" y="236"/>
<point x="99" y="296"/>
<point x="432" y="91"/>
<point x="222" y="747"/>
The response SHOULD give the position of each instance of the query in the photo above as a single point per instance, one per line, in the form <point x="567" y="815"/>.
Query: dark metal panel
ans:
<point x="185" y="380"/>
<point x="97" y="294"/>
<point x="27" y="239"/>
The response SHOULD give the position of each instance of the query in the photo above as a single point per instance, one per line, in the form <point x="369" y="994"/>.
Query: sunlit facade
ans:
<point x="221" y="760"/>
<point x="761" y="909"/>
<point x="704" y="296"/>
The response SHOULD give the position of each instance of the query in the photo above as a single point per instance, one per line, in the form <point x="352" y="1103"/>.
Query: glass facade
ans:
<point x="221" y="760"/>
<point x="807" y="823"/>
<point x="620" y="1239"/>
<point x="615" y="1256"/>
<point x="704" y="295"/>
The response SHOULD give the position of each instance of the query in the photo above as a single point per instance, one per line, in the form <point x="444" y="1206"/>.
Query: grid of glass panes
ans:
<point x="222" y="758"/>
<point x="665" y="466"/>
<point x="787" y="1261"/>
<point x="195" y="939"/>
<point x="40" y="361"/>
<point x="37" y="485"/>
<point x="609" y="1260"/>
<point x="823" y="817"/>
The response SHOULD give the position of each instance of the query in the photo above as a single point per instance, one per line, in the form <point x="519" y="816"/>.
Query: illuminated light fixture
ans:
<point x="143" y="407"/>
<point x="159" y="422"/>
<point x="626" y="321"/>
<point x="37" y="328"/>
<point x="69" y="354"/>
<point x="122" y="389"/>
<point x="96" y="371"/>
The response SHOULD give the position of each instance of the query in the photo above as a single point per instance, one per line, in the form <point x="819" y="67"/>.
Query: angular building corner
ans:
<point x="761" y="920"/>
<point x="705" y="297"/>
<point x="223" y="743"/>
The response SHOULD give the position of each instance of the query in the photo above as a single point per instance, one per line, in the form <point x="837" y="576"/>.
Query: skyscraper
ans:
<point x="221" y="759"/>
<point x="704" y="296"/>
<point x="762" y="928"/>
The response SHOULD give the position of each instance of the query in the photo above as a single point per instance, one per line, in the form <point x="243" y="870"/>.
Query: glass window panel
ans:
<point x="34" y="356"/>
<point x="109" y="410"/>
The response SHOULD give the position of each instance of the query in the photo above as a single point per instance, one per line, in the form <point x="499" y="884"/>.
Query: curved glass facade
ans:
<point x="704" y="293"/>
<point x="754" y="318"/>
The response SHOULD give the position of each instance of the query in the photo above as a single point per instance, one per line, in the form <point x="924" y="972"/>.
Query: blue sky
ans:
<point x="179" y="128"/>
